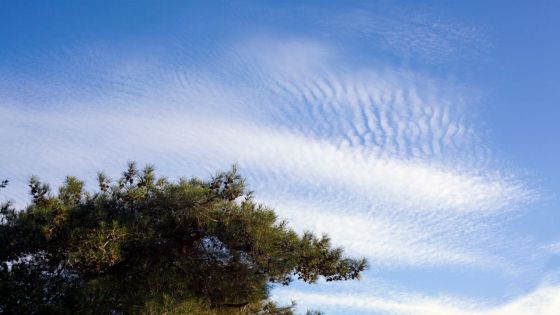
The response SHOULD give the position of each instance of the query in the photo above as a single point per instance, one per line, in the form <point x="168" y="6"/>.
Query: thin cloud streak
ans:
<point x="544" y="300"/>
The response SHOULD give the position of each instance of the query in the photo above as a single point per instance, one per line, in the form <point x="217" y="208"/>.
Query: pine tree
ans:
<point x="146" y="245"/>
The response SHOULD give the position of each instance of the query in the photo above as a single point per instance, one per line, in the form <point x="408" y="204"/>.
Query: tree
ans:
<point x="145" y="245"/>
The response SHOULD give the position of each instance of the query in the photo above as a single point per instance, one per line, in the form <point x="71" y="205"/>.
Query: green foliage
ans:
<point x="145" y="245"/>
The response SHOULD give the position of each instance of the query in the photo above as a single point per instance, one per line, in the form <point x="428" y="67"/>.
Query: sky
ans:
<point x="421" y="135"/>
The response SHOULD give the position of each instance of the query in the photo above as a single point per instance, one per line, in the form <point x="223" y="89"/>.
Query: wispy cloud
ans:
<point x="392" y="145"/>
<point x="544" y="300"/>
<point x="419" y="34"/>
<point x="389" y="112"/>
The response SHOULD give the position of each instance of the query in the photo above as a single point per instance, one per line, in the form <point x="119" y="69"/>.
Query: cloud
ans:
<point x="392" y="156"/>
<point x="385" y="241"/>
<point x="544" y="300"/>
<point x="389" y="112"/>
<point x="403" y="207"/>
<point x="419" y="35"/>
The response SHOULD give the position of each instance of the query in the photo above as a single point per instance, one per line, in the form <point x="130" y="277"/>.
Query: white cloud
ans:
<point x="542" y="301"/>
<point x="387" y="112"/>
<point x="385" y="241"/>
<point x="409" y="213"/>
<point x="310" y="132"/>
<point x="390" y="181"/>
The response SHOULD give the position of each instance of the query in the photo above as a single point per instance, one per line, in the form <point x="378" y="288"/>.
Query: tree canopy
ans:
<point x="146" y="245"/>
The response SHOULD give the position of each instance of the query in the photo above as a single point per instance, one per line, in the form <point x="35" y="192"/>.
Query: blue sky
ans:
<point x="421" y="135"/>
